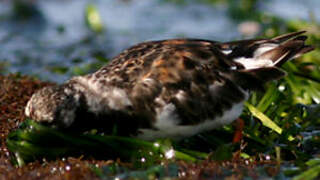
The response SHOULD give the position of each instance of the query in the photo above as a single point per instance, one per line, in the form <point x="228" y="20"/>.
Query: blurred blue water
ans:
<point x="294" y="9"/>
<point x="32" y="47"/>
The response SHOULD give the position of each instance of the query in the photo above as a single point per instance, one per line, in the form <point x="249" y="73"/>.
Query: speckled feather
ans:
<point x="172" y="88"/>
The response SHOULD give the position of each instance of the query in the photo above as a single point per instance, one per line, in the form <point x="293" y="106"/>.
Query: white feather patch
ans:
<point x="181" y="96"/>
<point x="28" y="108"/>
<point x="168" y="117"/>
<point x="264" y="48"/>
<point x="117" y="98"/>
<point x="253" y="63"/>
<point x="227" y="51"/>
<point x="256" y="61"/>
<point x="168" y="128"/>
<point x="102" y="98"/>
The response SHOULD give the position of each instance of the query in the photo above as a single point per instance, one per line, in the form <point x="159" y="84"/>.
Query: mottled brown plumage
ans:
<point x="171" y="88"/>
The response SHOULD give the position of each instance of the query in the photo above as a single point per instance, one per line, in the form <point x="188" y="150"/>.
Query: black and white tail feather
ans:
<point x="261" y="58"/>
<point x="254" y="54"/>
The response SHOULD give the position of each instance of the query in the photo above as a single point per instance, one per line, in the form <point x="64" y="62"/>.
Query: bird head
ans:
<point x="54" y="105"/>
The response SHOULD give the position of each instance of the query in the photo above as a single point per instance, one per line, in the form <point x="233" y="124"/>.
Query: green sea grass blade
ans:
<point x="309" y="174"/>
<point x="197" y="154"/>
<point x="34" y="141"/>
<point x="270" y="96"/>
<point x="26" y="152"/>
<point x="266" y="121"/>
<point x="313" y="162"/>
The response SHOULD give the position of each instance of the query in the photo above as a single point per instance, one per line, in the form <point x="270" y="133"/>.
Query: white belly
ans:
<point x="168" y="120"/>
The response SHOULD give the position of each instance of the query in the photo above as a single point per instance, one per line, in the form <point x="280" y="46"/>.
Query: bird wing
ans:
<point x="191" y="75"/>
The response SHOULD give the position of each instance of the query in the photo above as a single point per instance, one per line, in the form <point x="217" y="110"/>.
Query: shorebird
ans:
<point x="167" y="89"/>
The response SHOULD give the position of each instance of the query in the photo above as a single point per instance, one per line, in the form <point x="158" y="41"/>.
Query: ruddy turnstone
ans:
<point x="167" y="89"/>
